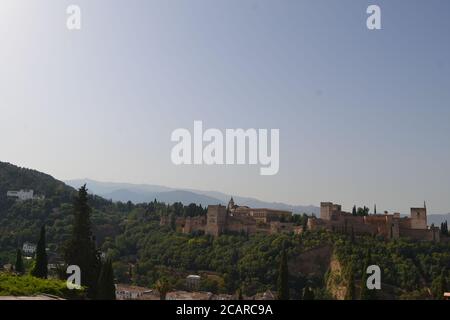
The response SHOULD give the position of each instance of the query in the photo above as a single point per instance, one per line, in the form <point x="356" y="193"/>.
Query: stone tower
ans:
<point x="230" y="205"/>
<point x="216" y="220"/>
<point x="329" y="210"/>
<point x="419" y="218"/>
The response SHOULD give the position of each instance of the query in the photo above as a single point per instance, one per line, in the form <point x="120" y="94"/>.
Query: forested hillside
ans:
<point x="21" y="221"/>
<point x="320" y="265"/>
<point x="145" y="252"/>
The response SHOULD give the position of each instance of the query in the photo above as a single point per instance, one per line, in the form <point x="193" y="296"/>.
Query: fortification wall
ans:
<point x="421" y="234"/>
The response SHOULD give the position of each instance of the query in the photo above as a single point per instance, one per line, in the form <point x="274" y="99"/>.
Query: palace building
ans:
<point x="390" y="226"/>
<point x="236" y="219"/>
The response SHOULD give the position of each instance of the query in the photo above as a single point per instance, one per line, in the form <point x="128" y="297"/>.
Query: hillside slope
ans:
<point x="20" y="221"/>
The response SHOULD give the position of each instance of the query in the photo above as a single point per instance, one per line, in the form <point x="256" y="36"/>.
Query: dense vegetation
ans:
<point x="142" y="252"/>
<point x="13" y="285"/>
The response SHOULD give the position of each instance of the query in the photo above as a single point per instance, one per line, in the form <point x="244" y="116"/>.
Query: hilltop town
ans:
<point x="242" y="219"/>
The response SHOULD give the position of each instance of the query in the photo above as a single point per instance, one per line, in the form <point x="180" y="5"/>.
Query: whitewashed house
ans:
<point x="23" y="195"/>
<point x="29" y="248"/>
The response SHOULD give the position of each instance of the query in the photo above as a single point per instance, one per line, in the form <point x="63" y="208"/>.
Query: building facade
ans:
<point x="390" y="226"/>
<point x="236" y="219"/>
<point x="23" y="195"/>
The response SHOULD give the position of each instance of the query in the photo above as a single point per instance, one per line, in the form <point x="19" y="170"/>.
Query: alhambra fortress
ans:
<point x="242" y="219"/>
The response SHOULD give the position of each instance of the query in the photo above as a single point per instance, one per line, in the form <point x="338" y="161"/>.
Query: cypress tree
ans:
<point x="40" y="266"/>
<point x="283" y="278"/>
<point x="444" y="228"/>
<point x="20" y="269"/>
<point x="106" y="288"/>
<point x="81" y="249"/>
<point x="354" y="211"/>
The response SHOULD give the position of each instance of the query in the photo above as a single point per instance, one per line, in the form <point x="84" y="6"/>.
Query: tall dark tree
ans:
<point x="106" y="288"/>
<point x="40" y="265"/>
<point x="375" y="209"/>
<point x="283" y="278"/>
<point x="81" y="249"/>
<point x="444" y="228"/>
<point x="354" y="211"/>
<point x="19" y="267"/>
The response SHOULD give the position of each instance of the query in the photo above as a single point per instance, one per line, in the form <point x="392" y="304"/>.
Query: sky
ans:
<point x="363" y="114"/>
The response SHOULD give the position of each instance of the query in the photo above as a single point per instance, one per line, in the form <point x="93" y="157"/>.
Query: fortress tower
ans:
<point x="419" y="218"/>
<point x="329" y="210"/>
<point x="216" y="220"/>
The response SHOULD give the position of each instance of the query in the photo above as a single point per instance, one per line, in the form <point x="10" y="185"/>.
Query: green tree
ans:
<point x="81" y="249"/>
<point x="162" y="286"/>
<point x="444" y="228"/>
<point x="106" y="288"/>
<point x="40" y="266"/>
<point x="283" y="278"/>
<point x="354" y="211"/>
<point x="439" y="285"/>
<point x="19" y="267"/>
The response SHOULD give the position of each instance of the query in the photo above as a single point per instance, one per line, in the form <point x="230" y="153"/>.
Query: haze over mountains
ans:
<point x="14" y="178"/>
<point x="144" y="193"/>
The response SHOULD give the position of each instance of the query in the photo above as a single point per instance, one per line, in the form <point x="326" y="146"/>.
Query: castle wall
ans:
<point x="431" y="234"/>
<point x="194" y="224"/>
<point x="389" y="226"/>
<point x="281" y="227"/>
<point x="241" y="224"/>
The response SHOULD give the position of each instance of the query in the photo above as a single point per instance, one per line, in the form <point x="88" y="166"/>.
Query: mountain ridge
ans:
<point x="144" y="193"/>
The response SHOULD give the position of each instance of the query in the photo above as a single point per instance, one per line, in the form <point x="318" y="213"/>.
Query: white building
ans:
<point x="29" y="248"/>
<point x="23" y="195"/>
<point x="127" y="292"/>
<point x="193" y="281"/>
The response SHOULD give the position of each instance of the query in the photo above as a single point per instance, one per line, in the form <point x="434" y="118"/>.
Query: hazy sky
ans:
<point x="363" y="115"/>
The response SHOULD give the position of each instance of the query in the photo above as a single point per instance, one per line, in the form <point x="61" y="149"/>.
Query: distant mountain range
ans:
<point x="437" y="219"/>
<point x="144" y="193"/>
